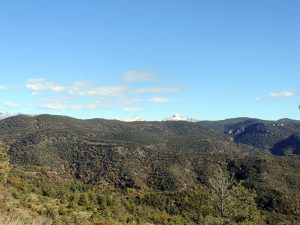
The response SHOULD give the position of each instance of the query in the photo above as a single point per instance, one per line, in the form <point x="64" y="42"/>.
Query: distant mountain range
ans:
<point x="133" y="119"/>
<point x="179" y="117"/>
<point x="168" y="155"/>
<point x="276" y="137"/>
<point x="92" y="149"/>
<point x="110" y="151"/>
<point x="175" y="117"/>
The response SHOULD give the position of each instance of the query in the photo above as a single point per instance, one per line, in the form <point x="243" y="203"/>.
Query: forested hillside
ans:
<point x="61" y="170"/>
<point x="279" y="137"/>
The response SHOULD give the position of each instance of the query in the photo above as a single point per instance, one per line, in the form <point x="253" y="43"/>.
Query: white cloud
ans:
<point x="2" y="87"/>
<point x="55" y="99"/>
<point x="76" y="95"/>
<point x="258" y="98"/>
<point x="14" y="104"/>
<point x="56" y="106"/>
<point x="282" y="94"/>
<point x="160" y="100"/>
<point x="136" y="76"/>
<point x="94" y="106"/>
<point x="4" y="114"/>
<point x="132" y="109"/>
<point x="133" y="119"/>
<point x="64" y="106"/>
<point x="155" y="90"/>
<point x="105" y="90"/>
<point x="39" y="84"/>
<point x="130" y="101"/>
<point x="77" y="86"/>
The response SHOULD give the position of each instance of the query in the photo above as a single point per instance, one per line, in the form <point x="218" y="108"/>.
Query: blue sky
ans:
<point x="115" y="59"/>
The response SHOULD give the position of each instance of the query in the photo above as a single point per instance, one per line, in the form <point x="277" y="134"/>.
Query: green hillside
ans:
<point x="68" y="171"/>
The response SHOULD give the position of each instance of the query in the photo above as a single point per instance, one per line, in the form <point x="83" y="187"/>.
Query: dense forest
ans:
<point x="61" y="170"/>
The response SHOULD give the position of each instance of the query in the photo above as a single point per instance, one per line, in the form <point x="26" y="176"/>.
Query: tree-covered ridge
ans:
<point x="44" y="196"/>
<point x="146" y="172"/>
<point x="276" y="137"/>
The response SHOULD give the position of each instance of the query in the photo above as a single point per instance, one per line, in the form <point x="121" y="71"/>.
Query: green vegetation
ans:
<point x="59" y="170"/>
<point x="4" y="165"/>
<point x="39" y="193"/>
<point x="278" y="137"/>
<point x="234" y="203"/>
<point x="59" y="201"/>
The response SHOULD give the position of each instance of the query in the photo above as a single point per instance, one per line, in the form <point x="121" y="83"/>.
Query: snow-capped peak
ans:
<point x="133" y="119"/>
<point x="179" y="117"/>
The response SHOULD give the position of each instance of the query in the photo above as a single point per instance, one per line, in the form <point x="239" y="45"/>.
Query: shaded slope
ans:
<point x="262" y="134"/>
<point x="290" y="145"/>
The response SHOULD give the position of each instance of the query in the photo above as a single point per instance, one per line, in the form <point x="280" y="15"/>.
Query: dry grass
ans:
<point x="10" y="219"/>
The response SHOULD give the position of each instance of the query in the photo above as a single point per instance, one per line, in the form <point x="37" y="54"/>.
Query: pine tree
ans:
<point x="235" y="205"/>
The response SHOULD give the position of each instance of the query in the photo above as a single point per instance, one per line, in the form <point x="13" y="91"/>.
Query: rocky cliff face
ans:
<point x="262" y="134"/>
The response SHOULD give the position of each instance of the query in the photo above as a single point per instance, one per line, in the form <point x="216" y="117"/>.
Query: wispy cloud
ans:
<point x="282" y="94"/>
<point x="160" y="99"/>
<point x="15" y="104"/>
<point x="105" y="90"/>
<point x="2" y="87"/>
<point x="133" y="100"/>
<point x="39" y="84"/>
<point x="56" y="106"/>
<point x="258" y="98"/>
<point x="73" y="103"/>
<point x="137" y="76"/>
<point x="156" y="90"/>
<point x="132" y="109"/>
<point x="77" y="86"/>
<point x="84" y="95"/>
<point x="65" y="106"/>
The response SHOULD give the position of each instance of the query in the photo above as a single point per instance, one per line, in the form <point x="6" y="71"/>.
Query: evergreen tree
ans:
<point x="235" y="205"/>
